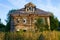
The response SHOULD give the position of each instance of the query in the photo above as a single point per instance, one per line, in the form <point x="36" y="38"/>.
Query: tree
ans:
<point x="40" y="25"/>
<point x="59" y="24"/>
<point x="2" y="26"/>
<point x="54" y="23"/>
<point x="8" y="25"/>
<point x="7" y="28"/>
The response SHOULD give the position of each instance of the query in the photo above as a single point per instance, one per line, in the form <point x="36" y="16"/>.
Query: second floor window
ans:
<point x="18" y="20"/>
<point x="24" y="21"/>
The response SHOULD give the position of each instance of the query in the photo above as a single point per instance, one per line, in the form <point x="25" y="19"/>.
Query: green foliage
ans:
<point x="2" y="27"/>
<point x="11" y="11"/>
<point x="59" y="24"/>
<point x="46" y="35"/>
<point x="7" y="28"/>
<point x="41" y="37"/>
<point x="40" y="24"/>
<point x="13" y="36"/>
<point x="46" y="27"/>
<point x="54" y="23"/>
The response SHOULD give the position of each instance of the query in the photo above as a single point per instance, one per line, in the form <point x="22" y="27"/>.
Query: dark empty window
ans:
<point x="24" y="30"/>
<point x="24" y="20"/>
<point x="30" y="8"/>
<point x="18" y="20"/>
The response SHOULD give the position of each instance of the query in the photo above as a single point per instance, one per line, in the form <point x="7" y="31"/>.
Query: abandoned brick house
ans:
<point x="25" y="18"/>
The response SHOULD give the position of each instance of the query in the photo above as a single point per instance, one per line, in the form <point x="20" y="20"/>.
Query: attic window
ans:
<point x="30" y="9"/>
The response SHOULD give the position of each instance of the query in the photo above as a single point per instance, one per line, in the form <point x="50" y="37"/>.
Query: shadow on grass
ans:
<point x="41" y="37"/>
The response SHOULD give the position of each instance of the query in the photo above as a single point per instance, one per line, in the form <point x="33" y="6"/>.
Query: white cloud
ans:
<point x="49" y="7"/>
<point x="55" y="10"/>
<point x="3" y="12"/>
<point x="18" y="3"/>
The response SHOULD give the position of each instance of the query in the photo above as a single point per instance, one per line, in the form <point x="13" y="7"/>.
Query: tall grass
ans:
<point x="46" y="35"/>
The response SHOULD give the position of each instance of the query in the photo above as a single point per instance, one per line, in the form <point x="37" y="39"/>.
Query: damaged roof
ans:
<point x="23" y="11"/>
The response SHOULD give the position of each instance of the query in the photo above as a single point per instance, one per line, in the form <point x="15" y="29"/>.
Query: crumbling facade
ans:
<point x="26" y="17"/>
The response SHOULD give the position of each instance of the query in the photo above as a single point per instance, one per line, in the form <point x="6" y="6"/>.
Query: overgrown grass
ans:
<point x="46" y="35"/>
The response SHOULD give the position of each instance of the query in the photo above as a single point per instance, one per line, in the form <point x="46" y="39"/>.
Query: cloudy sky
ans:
<point x="47" y="5"/>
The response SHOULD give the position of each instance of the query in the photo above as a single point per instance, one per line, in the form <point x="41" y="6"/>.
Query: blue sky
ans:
<point x="47" y="5"/>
